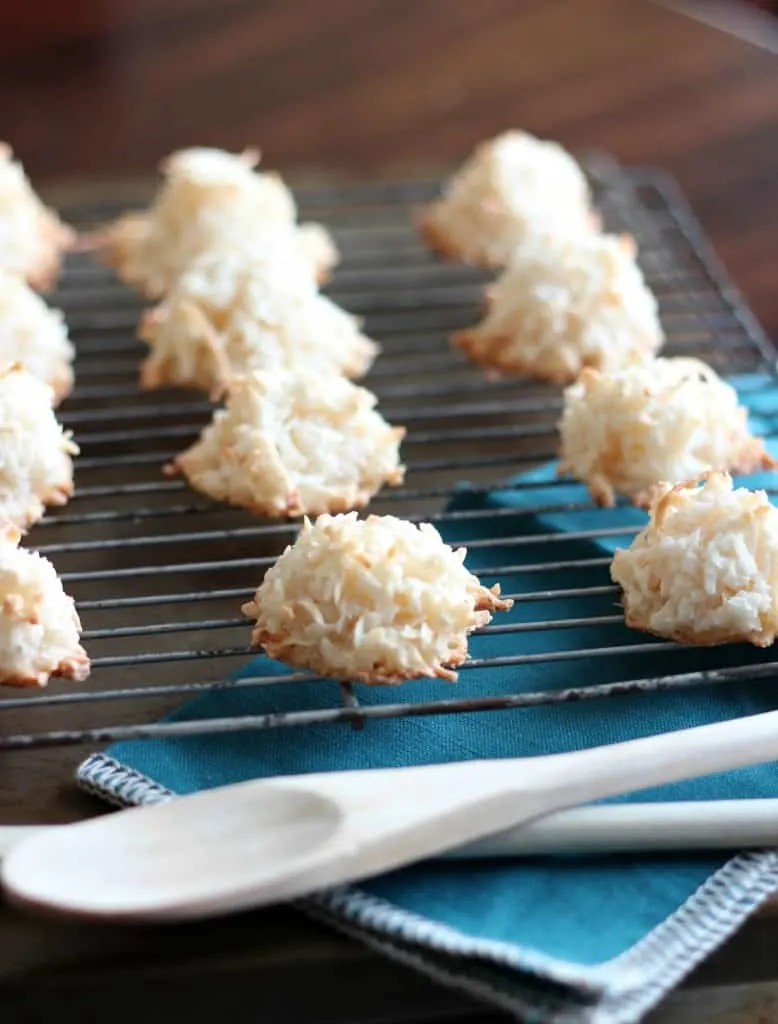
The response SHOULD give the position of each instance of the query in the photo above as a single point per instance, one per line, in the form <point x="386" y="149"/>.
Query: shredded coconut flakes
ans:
<point x="510" y="189"/>
<point x="288" y="444"/>
<point x="378" y="601"/>
<point x="665" y="420"/>
<point x="705" y="569"/>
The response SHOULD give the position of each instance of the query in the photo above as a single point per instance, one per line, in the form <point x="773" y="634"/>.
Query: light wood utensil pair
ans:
<point x="264" y="841"/>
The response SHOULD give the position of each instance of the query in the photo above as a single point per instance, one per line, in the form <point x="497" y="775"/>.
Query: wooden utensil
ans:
<point x="264" y="841"/>
<point x="599" y="829"/>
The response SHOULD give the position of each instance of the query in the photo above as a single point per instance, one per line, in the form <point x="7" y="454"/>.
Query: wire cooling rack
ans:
<point x="159" y="573"/>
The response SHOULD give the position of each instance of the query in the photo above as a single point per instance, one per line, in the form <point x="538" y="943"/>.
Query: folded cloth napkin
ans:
<point x="565" y="939"/>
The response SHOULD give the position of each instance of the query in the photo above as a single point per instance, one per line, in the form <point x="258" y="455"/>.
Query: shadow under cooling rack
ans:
<point x="159" y="573"/>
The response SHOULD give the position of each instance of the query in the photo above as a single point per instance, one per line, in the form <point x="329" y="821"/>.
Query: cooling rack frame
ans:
<point x="148" y="657"/>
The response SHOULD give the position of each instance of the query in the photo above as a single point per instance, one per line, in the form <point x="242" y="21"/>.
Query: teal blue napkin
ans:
<point x="567" y="940"/>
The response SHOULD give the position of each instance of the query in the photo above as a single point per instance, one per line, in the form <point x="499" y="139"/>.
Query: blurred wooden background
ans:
<point x="107" y="86"/>
<point x="375" y="87"/>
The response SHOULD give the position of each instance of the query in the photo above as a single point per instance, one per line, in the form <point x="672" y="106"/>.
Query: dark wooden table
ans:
<point x="92" y="89"/>
<point x="372" y="86"/>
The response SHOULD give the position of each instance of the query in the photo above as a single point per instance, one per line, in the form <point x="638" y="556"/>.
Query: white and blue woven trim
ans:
<point x="121" y="786"/>
<point x="620" y="991"/>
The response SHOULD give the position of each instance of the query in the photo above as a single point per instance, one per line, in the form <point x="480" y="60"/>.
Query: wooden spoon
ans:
<point x="264" y="841"/>
<point x="656" y="827"/>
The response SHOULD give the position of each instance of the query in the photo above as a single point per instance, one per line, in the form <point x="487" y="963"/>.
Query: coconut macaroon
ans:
<point x="664" y="420"/>
<point x="35" y="452"/>
<point x="32" y="237"/>
<point x="570" y="304"/>
<point x="510" y="189"/>
<point x="227" y="316"/>
<point x="39" y="625"/>
<point x="313" y="242"/>
<point x="378" y="600"/>
<point x="294" y="443"/>
<point x="35" y="335"/>
<point x="209" y="199"/>
<point x="705" y="569"/>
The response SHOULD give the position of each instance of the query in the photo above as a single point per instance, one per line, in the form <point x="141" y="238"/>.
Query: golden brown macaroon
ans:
<point x="293" y="444"/>
<point x="34" y="334"/>
<point x="227" y="316"/>
<point x="32" y="237"/>
<point x="664" y="420"/>
<point x="571" y="303"/>
<point x="705" y="569"/>
<point x="209" y="200"/>
<point x="512" y="188"/>
<point x="36" y="468"/>
<point x="39" y="625"/>
<point x="377" y="601"/>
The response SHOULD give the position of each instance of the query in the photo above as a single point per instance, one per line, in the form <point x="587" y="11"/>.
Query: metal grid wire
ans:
<point x="159" y="573"/>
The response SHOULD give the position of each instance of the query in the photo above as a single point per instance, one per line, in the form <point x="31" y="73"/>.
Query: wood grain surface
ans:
<point x="354" y="88"/>
<point x="374" y="86"/>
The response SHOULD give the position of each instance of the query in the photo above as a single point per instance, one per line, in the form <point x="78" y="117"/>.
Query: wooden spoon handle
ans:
<point x="636" y="828"/>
